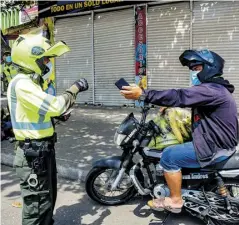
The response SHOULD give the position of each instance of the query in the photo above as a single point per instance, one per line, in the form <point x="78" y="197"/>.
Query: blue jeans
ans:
<point x="183" y="155"/>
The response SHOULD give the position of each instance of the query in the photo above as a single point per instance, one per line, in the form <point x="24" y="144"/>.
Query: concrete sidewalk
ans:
<point x="86" y="137"/>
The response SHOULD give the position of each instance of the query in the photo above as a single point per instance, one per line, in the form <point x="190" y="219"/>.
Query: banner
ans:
<point x="55" y="8"/>
<point x="29" y="14"/>
<point x="140" y="46"/>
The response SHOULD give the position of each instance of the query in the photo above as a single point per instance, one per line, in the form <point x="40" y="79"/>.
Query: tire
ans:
<point x="98" y="197"/>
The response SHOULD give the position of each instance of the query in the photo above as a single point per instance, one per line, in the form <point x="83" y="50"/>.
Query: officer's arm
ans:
<point x="33" y="98"/>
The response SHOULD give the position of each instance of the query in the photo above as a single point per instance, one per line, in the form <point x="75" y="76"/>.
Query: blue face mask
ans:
<point x="8" y="59"/>
<point x="194" y="77"/>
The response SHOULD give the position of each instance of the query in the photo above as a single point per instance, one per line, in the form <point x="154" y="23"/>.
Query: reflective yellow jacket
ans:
<point x="10" y="71"/>
<point x="31" y="108"/>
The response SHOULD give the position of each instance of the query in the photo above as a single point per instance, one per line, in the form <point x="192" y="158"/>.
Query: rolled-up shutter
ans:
<point x="114" y="54"/>
<point x="168" y="35"/>
<point x="77" y="33"/>
<point x="216" y="27"/>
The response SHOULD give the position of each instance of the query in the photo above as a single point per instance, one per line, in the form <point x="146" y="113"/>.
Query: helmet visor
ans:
<point x="192" y="56"/>
<point x="57" y="50"/>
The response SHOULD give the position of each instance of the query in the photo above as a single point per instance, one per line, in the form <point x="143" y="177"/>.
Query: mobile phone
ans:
<point x="121" y="82"/>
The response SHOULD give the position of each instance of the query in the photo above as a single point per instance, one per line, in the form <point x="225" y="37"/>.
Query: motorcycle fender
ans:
<point x="111" y="162"/>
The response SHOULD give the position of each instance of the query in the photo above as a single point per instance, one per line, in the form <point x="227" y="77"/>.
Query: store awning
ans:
<point x="12" y="33"/>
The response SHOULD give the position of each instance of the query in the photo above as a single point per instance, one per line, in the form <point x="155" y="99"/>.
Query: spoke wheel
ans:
<point x="99" y="182"/>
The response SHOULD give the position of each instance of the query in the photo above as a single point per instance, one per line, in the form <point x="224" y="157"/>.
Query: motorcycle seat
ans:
<point x="228" y="164"/>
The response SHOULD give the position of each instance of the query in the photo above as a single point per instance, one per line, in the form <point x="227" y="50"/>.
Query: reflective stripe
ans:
<point x="31" y="126"/>
<point x="23" y="125"/>
<point x="44" y="108"/>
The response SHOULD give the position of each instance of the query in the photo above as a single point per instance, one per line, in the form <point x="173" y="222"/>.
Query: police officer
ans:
<point x="31" y="112"/>
<point x="9" y="70"/>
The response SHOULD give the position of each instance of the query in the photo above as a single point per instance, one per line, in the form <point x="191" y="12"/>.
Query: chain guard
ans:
<point x="197" y="205"/>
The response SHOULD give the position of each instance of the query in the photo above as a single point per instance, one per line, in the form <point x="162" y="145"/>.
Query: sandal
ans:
<point x="161" y="205"/>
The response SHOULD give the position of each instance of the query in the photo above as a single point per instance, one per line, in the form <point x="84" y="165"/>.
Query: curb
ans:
<point x="69" y="173"/>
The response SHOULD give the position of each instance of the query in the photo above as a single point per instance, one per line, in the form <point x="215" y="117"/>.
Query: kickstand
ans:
<point x="165" y="218"/>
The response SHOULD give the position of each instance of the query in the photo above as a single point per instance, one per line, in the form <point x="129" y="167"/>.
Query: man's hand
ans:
<point x="131" y="92"/>
<point x="79" y="86"/>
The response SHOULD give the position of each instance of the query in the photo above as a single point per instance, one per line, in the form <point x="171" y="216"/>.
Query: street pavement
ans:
<point x="73" y="207"/>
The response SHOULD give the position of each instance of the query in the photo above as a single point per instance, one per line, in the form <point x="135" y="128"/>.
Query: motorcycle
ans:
<point x="210" y="193"/>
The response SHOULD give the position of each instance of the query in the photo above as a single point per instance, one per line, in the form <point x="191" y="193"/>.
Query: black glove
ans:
<point x="82" y="84"/>
<point x="79" y="86"/>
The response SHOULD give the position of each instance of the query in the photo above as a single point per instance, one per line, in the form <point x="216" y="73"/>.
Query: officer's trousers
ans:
<point x="39" y="201"/>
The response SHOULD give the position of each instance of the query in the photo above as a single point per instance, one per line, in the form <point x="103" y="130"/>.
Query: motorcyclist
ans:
<point x="31" y="111"/>
<point x="214" y="123"/>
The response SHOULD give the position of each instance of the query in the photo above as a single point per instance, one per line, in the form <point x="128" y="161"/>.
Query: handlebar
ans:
<point x="151" y="124"/>
<point x="145" y="108"/>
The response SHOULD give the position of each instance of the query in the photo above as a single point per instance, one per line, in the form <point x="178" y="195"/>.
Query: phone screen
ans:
<point x="121" y="82"/>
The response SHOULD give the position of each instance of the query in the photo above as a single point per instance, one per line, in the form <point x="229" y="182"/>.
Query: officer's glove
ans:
<point x="79" y="86"/>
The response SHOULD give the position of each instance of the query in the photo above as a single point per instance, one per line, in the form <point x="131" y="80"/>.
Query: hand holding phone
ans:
<point x="121" y="82"/>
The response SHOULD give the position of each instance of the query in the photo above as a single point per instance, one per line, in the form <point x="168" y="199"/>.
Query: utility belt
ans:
<point x="37" y="153"/>
<point x="38" y="147"/>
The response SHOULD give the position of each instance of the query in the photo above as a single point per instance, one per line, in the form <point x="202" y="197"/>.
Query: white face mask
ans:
<point x="194" y="78"/>
<point x="47" y="75"/>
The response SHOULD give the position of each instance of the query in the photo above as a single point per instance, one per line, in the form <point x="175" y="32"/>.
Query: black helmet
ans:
<point x="212" y="63"/>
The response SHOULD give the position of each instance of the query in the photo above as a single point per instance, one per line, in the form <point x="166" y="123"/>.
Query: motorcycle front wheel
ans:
<point x="98" y="186"/>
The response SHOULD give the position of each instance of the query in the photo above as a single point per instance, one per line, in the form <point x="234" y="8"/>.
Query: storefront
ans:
<point x="103" y="45"/>
<point x="216" y="27"/>
<point x="102" y="51"/>
<point x="168" y="36"/>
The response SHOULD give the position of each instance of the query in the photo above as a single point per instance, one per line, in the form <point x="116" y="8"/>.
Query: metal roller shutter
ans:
<point x="113" y="54"/>
<point x="216" y="27"/>
<point x="168" y="36"/>
<point x="77" y="33"/>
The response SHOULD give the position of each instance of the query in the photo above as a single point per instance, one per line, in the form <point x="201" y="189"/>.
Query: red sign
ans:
<point x="140" y="46"/>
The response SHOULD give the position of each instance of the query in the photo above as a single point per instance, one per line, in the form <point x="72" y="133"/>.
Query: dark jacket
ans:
<point x="214" y="117"/>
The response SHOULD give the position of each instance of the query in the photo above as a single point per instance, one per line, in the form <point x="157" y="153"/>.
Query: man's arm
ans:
<point x="188" y="97"/>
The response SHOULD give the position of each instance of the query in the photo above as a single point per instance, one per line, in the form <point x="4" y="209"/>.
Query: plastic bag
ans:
<point x="175" y="124"/>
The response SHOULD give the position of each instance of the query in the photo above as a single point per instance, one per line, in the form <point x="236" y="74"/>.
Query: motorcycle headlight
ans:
<point x="119" y="138"/>
<point x="126" y="131"/>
